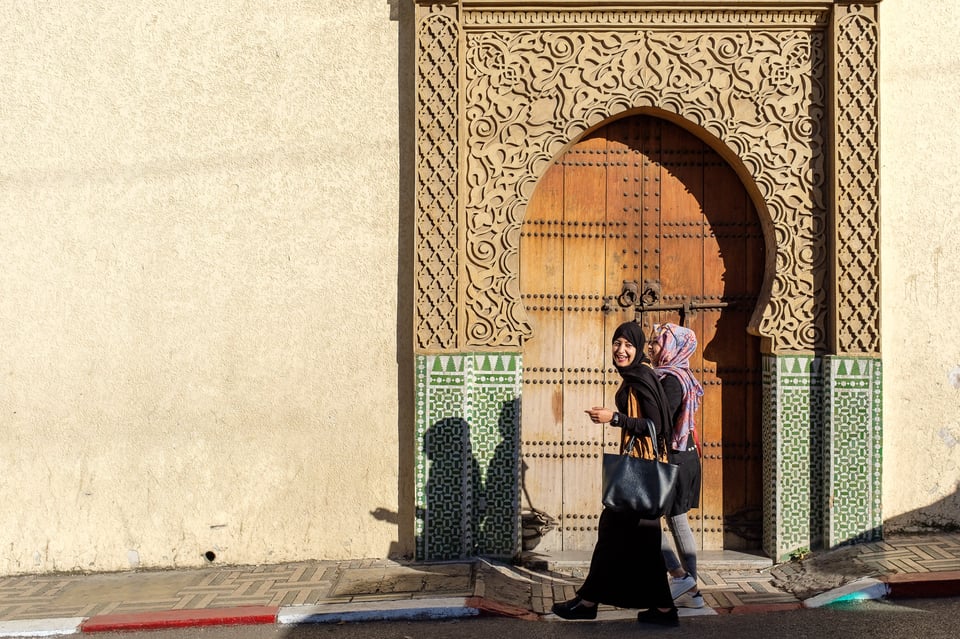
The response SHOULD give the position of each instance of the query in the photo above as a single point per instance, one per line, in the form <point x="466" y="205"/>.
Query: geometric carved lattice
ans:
<point x="437" y="175"/>
<point x="757" y="88"/>
<point x="858" y="196"/>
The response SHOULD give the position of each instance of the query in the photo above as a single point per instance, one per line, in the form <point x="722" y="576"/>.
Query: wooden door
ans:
<point x="640" y="200"/>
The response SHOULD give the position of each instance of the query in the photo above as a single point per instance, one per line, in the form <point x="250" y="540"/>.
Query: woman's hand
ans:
<point x="599" y="414"/>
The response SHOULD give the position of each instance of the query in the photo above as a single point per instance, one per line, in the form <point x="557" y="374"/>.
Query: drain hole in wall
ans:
<point x="210" y="556"/>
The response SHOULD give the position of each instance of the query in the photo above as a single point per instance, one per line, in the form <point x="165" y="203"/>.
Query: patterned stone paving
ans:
<point x="75" y="595"/>
<point x="720" y="589"/>
<point x="789" y="583"/>
<point x="916" y="554"/>
<point x="311" y="583"/>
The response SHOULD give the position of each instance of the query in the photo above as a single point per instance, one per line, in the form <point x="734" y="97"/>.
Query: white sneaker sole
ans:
<point x="679" y="587"/>
<point x="688" y="601"/>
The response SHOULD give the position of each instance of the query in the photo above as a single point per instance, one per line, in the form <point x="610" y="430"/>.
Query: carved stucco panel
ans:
<point x="858" y="181"/>
<point x="438" y="163"/>
<point x="528" y="94"/>
<point x="639" y="17"/>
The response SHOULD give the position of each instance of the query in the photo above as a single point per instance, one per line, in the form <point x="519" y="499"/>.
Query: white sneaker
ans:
<point x="680" y="585"/>
<point x="689" y="600"/>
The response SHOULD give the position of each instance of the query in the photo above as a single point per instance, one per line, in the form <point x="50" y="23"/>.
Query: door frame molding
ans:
<point x="787" y="91"/>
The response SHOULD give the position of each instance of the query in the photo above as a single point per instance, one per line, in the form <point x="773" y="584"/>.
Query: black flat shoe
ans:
<point x="655" y="616"/>
<point x="575" y="609"/>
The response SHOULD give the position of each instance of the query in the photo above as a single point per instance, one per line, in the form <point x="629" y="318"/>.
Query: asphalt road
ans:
<point x="923" y="619"/>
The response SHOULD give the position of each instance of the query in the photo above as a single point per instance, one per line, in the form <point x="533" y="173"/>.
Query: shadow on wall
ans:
<point x="534" y="523"/>
<point x="735" y="356"/>
<point x="470" y="497"/>
<point x="940" y="516"/>
<point x="500" y="517"/>
<point x="403" y="14"/>
<point x="452" y="493"/>
<point x="403" y="545"/>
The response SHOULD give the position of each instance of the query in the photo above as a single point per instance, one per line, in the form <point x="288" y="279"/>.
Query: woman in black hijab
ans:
<point x="627" y="568"/>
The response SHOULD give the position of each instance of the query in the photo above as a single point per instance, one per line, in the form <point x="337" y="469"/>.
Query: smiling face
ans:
<point x="623" y="352"/>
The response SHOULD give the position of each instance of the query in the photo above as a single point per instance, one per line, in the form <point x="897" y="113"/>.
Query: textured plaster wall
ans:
<point x="199" y="282"/>
<point x="921" y="247"/>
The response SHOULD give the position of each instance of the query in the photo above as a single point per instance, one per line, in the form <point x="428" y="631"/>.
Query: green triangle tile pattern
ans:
<point x="853" y="433"/>
<point x="822" y="452"/>
<point x="467" y="466"/>
<point x="822" y="445"/>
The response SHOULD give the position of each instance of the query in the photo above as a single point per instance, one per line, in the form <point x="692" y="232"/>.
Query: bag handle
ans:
<point x="696" y="439"/>
<point x="632" y="442"/>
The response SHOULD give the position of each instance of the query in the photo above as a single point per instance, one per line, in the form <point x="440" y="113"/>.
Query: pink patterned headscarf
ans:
<point x="677" y="346"/>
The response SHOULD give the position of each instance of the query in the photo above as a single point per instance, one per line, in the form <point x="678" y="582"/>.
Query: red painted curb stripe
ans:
<point x="181" y="618"/>
<point x="499" y="609"/>
<point x="924" y="584"/>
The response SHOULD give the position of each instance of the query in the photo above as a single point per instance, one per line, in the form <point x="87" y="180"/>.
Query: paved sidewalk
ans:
<point x="336" y="591"/>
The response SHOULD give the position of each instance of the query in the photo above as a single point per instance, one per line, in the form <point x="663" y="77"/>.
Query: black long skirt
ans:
<point x="627" y="569"/>
<point x="686" y="495"/>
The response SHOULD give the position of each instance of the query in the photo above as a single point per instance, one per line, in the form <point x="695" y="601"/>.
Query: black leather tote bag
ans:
<point x="644" y="486"/>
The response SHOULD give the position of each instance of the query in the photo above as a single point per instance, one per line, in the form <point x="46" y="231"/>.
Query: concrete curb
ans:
<point x="440" y="608"/>
<point x="41" y="627"/>
<point x="895" y="586"/>
<point x="866" y="588"/>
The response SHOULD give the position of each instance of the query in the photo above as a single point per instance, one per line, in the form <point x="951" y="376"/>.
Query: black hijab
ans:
<point x="639" y="376"/>
<point x="634" y="371"/>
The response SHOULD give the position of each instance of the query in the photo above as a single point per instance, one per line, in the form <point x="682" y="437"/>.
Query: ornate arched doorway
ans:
<point x="788" y="95"/>
<point x="640" y="201"/>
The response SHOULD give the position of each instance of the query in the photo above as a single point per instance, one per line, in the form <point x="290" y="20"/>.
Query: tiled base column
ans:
<point x="852" y="450"/>
<point x="792" y="464"/>
<point x="468" y="455"/>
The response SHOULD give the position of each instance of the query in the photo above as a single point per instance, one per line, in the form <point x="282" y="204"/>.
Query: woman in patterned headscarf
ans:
<point x="627" y="569"/>
<point x="670" y="351"/>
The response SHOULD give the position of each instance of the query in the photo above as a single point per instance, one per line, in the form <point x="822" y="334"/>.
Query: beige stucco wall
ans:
<point x="920" y="248"/>
<point x="199" y="216"/>
<point x="203" y="279"/>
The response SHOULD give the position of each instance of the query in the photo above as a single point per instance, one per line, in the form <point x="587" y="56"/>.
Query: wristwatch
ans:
<point x="615" y="420"/>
